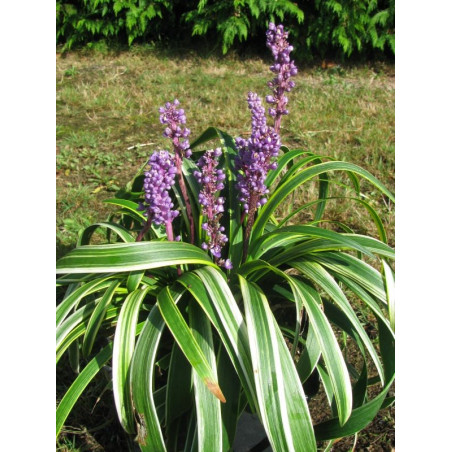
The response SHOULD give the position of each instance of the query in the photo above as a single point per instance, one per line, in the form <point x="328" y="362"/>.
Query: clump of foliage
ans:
<point x="206" y="302"/>
<point x="320" y="28"/>
<point x="113" y="20"/>
<point x="350" y="27"/>
<point x="236" y="20"/>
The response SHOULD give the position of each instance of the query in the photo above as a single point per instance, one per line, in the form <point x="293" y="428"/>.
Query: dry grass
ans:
<point x="108" y="103"/>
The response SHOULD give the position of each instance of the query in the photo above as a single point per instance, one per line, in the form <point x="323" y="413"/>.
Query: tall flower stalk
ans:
<point x="283" y="68"/>
<point x="256" y="156"/>
<point x="175" y="118"/>
<point x="211" y="180"/>
<point x="158" y="180"/>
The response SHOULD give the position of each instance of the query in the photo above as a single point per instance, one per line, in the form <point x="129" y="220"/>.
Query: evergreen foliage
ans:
<point x="319" y="28"/>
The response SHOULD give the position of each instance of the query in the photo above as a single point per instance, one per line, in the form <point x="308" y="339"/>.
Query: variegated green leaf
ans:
<point x="78" y="386"/>
<point x="124" y="257"/>
<point x="74" y="298"/>
<point x="331" y="352"/>
<point x="304" y="175"/>
<point x="97" y="318"/>
<point x="208" y="407"/>
<point x="213" y="294"/>
<point x="320" y="276"/>
<point x="389" y="286"/>
<point x="123" y="348"/>
<point x="187" y="342"/>
<point x="149" y="436"/>
<point x="282" y="403"/>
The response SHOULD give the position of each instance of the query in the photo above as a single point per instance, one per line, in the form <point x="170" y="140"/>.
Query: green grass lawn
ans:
<point x="107" y="109"/>
<point x="108" y="124"/>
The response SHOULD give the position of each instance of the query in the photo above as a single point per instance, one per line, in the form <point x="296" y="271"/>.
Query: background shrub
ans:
<point x="121" y="21"/>
<point x="346" y="27"/>
<point x="323" y="28"/>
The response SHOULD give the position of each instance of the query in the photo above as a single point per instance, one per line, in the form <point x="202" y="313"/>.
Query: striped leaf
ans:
<point x="187" y="342"/>
<point x="179" y="392"/>
<point x="320" y="276"/>
<point x="97" y="318"/>
<point x="123" y="348"/>
<point x="79" y="329"/>
<point x="208" y="407"/>
<point x="282" y="403"/>
<point x="79" y="316"/>
<point x="149" y="437"/>
<point x="80" y="383"/>
<point x="208" y="287"/>
<point x="284" y="190"/>
<point x="309" y="356"/>
<point x="359" y="419"/>
<point x="284" y="162"/>
<point x="287" y="236"/>
<point x="331" y="352"/>
<point x="232" y="390"/>
<point x="389" y="286"/>
<point x="325" y="341"/>
<point x="119" y="230"/>
<point x="126" y="204"/>
<point x="124" y="257"/>
<point x="74" y="298"/>
<point x="354" y="269"/>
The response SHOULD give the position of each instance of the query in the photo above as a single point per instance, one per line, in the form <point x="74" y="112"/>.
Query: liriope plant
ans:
<point x="204" y="283"/>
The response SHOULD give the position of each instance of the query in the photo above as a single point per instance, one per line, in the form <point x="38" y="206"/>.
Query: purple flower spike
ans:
<point x="175" y="117"/>
<point x="256" y="156"/>
<point x="284" y="68"/>
<point x="210" y="178"/>
<point x="158" y="181"/>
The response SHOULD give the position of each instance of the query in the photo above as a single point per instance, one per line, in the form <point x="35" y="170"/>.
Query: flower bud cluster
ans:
<point x="283" y="67"/>
<point x="158" y="180"/>
<point x="256" y="155"/>
<point x="174" y="118"/>
<point x="211" y="180"/>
